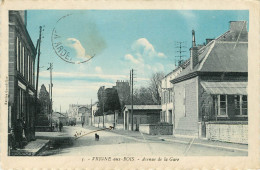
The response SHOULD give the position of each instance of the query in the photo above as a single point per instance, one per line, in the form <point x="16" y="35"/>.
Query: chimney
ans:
<point x="208" y="40"/>
<point x="193" y="52"/>
<point x="193" y="39"/>
<point x="237" y="26"/>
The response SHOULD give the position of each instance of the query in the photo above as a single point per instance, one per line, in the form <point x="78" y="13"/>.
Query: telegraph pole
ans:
<point x="51" y="85"/>
<point x="91" y="112"/>
<point x="38" y="45"/>
<point x="132" y="94"/>
<point x="103" y="96"/>
<point x="180" y="56"/>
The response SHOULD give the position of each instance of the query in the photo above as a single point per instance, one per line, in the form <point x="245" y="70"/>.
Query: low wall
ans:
<point x="119" y="126"/>
<point x="235" y="132"/>
<point x="154" y="129"/>
<point x="43" y="129"/>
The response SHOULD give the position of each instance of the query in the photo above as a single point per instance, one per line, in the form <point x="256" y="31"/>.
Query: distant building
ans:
<point x="210" y="93"/>
<point x="123" y="90"/>
<point x="21" y="100"/>
<point x="80" y="112"/>
<point x="59" y="117"/>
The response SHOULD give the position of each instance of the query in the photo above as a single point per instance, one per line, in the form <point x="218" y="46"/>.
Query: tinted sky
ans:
<point x="119" y="40"/>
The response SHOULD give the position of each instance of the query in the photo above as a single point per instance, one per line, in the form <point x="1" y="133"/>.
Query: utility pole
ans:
<point x="51" y="85"/>
<point x="179" y="46"/>
<point x="38" y="47"/>
<point x="91" y="112"/>
<point x="103" y="97"/>
<point x="132" y="95"/>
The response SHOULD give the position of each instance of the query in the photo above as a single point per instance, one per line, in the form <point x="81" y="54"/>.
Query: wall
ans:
<point x="142" y="117"/>
<point x="235" y="132"/>
<point x="108" y="121"/>
<point x="186" y="107"/>
<point x="166" y="97"/>
<point x="156" y="129"/>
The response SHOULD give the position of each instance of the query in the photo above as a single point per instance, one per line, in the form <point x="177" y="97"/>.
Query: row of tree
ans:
<point x="108" y="99"/>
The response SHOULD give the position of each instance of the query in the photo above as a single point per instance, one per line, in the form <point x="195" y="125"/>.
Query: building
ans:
<point x="59" y="117"/>
<point x="80" y="112"/>
<point x="210" y="93"/>
<point x="142" y="114"/>
<point x="167" y="96"/>
<point x="123" y="90"/>
<point x="21" y="107"/>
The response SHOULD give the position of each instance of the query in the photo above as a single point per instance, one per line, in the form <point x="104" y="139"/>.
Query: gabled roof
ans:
<point x="227" y="53"/>
<point x="143" y="107"/>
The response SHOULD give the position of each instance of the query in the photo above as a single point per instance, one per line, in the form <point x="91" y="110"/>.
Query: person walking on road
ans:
<point x="56" y="126"/>
<point x="60" y="126"/>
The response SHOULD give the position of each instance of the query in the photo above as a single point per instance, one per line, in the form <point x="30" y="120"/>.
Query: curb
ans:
<point x="232" y="149"/>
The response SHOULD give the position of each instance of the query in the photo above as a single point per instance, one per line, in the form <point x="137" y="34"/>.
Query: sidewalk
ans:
<point x="31" y="149"/>
<point x="180" y="139"/>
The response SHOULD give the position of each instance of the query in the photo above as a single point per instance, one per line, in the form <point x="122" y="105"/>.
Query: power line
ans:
<point x="180" y="46"/>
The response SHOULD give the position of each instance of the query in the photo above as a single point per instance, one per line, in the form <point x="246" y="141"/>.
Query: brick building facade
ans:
<point x="21" y="79"/>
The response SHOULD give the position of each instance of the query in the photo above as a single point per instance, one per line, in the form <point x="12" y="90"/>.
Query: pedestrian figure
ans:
<point x="56" y="125"/>
<point x="18" y="132"/>
<point x="60" y="126"/>
<point x="82" y="124"/>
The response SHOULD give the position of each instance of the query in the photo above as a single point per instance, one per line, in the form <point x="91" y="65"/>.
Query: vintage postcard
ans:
<point x="130" y="84"/>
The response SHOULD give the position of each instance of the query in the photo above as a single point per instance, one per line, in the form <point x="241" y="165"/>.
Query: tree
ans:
<point x="108" y="100"/>
<point x="143" y="96"/>
<point x="44" y="99"/>
<point x="112" y="102"/>
<point x="155" y="86"/>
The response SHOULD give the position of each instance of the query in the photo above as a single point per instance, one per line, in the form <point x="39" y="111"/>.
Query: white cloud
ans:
<point x="46" y="74"/>
<point x="187" y="14"/>
<point x="142" y="48"/>
<point x="161" y="55"/>
<point x="98" y="69"/>
<point x="132" y="59"/>
<point x="77" y="46"/>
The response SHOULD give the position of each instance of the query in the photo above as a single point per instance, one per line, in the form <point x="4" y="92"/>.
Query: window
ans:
<point x="171" y="96"/>
<point x="24" y="65"/>
<point x="237" y="102"/>
<point x="163" y="116"/>
<point x="28" y="68"/>
<point x="162" y="98"/>
<point x="244" y="104"/>
<point x="32" y="73"/>
<point x="222" y="104"/>
<point x="240" y="105"/>
<point x="17" y="54"/>
<point x="20" y="57"/>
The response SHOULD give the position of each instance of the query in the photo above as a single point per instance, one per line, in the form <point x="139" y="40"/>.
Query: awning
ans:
<point x="229" y="88"/>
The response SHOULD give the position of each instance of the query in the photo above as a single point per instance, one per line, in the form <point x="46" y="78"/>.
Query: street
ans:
<point x="113" y="144"/>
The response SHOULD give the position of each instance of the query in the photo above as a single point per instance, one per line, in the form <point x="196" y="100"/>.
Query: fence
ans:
<point x="109" y="120"/>
<point x="235" y="132"/>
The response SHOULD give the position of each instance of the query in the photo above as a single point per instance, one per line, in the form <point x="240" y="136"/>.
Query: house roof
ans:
<point x="231" y="88"/>
<point x="227" y="53"/>
<point x="143" y="107"/>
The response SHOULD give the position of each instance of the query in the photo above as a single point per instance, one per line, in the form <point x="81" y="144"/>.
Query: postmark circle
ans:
<point x="65" y="46"/>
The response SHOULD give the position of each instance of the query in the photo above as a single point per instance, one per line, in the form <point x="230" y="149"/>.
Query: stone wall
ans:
<point x="235" y="132"/>
<point x="156" y="129"/>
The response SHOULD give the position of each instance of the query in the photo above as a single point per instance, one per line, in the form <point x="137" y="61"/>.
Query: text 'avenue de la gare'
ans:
<point x="148" y="159"/>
